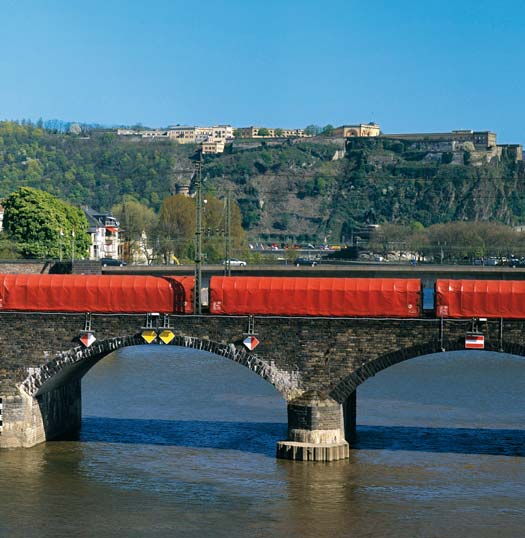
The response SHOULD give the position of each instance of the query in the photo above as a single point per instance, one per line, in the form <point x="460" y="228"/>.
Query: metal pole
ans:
<point x="501" y="334"/>
<point x="197" y="307"/>
<point x="227" y="237"/>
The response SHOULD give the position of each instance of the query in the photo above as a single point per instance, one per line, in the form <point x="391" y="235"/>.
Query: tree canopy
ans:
<point x="176" y="228"/>
<point x="138" y="228"/>
<point x="451" y="241"/>
<point x="43" y="226"/>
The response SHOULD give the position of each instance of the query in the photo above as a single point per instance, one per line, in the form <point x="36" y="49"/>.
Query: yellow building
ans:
<point x="361" y="129"/>
<point x="254" y="132"/>
<point x="212" y="147"/>
<point x="197" y="135"/>
<point x="184" y="135"/>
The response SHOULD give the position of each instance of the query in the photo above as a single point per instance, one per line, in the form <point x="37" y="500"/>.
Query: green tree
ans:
<point x="313" y="130"/>
<point x="279" y="132"/>
<point x="390" y="237"/>
<point x="176" y="228"/>
<point x="263" y="131"/>
<point x="454" y="241"/>
<point x="8" y="249"/>
<point x="214" y="227"/>
<point x="42" y="225"/>
<point x="328" y="130"/>
<point x="138" y="223"/>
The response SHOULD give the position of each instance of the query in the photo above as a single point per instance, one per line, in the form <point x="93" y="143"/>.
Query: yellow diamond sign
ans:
<point x="149" y="335"/>
<point x="166" y="336"/>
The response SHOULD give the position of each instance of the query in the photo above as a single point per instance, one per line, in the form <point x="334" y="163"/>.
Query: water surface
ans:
<point x="181" y="443"/>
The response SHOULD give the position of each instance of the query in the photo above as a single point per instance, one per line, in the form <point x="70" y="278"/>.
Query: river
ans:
<point x="181" y="443"/>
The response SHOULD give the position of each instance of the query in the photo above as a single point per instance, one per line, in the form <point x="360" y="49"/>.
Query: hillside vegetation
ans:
<point x="97" y="170"/>
<point x="290" y="190"/>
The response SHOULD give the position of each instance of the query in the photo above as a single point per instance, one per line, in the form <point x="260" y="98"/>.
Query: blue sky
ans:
<point x="411" y="66"/>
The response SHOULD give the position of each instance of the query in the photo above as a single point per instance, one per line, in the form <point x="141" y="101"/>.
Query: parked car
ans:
<point x="112" y="262"/>
<point x="305" y="261"/>
<point x="234" y="262"/>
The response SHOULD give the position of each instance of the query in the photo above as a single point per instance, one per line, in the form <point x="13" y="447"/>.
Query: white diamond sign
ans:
<point x="251" y="342"/>
<point x="87" y="339"/>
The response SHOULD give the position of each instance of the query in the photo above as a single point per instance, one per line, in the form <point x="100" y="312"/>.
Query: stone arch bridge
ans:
<point x="315" y="363"/>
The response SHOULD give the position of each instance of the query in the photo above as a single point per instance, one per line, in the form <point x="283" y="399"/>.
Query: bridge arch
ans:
<point x="76" y="361"/>
<point x="347" y="386"/>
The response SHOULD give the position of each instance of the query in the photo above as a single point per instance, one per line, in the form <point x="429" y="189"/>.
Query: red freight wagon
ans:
<point x="95" y="293"/>
<point x="480" y="298"/>
<point x="291" y="296"/>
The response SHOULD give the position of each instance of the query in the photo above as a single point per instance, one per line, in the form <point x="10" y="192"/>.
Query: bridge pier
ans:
<point x="315" y="430"/>
<point x="31" y="420"/>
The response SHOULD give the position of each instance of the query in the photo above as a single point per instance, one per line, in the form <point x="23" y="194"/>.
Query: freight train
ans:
<point x="269" y="296"/>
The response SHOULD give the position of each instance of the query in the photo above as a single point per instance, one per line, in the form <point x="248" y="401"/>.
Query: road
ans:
<point x="427" y="272"/>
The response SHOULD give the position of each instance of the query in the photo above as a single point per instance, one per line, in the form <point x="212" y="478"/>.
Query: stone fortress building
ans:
<point x="257" y="132"/>
<point x="361" y="129"/>
<point x="212" y="139"/>
<point x="481" y="146"/>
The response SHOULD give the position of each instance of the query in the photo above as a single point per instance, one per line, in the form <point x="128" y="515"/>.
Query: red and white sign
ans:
<point x="474" y="341"/>
<point x="87" y="339"/>
<point x="251" y="342"/>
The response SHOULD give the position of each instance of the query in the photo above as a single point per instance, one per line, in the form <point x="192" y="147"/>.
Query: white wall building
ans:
<point x="104" y="231"/>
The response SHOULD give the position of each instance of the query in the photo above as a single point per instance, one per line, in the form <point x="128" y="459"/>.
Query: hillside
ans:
<point x="299" y="190"/>
<point x="96" y="170"/>
<point x="292" y="189"/>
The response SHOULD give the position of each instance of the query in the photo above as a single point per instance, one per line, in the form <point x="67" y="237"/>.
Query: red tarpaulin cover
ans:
<point x="184" y="296"/>
<point x="293" y="296"/>
<point x="95" y="293"/>
<point x="480" y="298"/>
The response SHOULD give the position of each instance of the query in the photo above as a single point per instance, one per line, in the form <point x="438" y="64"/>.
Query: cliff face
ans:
<point x="298" y="190"/>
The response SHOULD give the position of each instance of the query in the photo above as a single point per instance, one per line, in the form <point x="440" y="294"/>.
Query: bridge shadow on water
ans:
<point x="261" y="437"/>
<point x="256" y="437"/>
<point x="495" y="442"/>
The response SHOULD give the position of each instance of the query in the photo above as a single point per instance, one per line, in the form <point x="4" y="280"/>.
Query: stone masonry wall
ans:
<point x="23" y="267"/>
<point x="321" y="353"/>
<point x="29" y="421"/>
